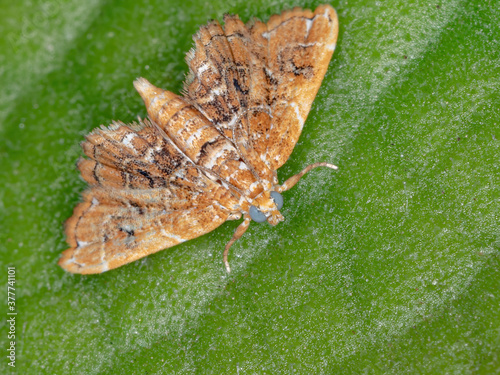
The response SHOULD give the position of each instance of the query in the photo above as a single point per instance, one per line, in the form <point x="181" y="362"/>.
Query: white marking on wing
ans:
<point x="127" y="228"/>
<point x="202" y="69"/>
<point x="269" y="72"/>
<point x="196" y="135"/>
<point x="253" y="186"/>
<point x="172" y="236"/>
<point x="233" y="121"/>
<point x="127" y="141"/>
<point x="149" y="156"/>
<point x="220" y="153"/>
<point x="305" y="45"/>
<point x="217" y="91"/>
<point x="308" y="26"/>
<point x="331" y="47"/>
<point x="297" y="113"/>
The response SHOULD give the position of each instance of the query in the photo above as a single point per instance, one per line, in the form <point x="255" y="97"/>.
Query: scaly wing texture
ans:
<point x="196" y="136"/>
<point x="300" y="46"/>
<point x="145" y="196"/>
<point x="256" y="82"/>
<point x="226" y="83"/>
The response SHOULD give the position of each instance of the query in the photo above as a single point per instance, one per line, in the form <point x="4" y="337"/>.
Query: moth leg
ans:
<point x="242" y="228"/>
<point x="294" y="179"/>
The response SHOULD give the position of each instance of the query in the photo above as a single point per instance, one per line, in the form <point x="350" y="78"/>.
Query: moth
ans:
<point x="209" y="155"/>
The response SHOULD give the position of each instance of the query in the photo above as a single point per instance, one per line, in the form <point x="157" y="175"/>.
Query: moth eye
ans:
<point x="277" y="198"/>
<point x="257" y="215"/>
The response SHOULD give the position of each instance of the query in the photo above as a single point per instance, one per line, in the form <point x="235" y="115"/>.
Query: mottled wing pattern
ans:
<point x="145" y="196"/>
<point x="196" y="136"/>
<point x="300" y="46"/>
<point x="212" y="81"/>
<point x="256" y="82"/>
<point x="227" y="84"/>
<point x="136" y="156"/>
<point x="107" y="231"/>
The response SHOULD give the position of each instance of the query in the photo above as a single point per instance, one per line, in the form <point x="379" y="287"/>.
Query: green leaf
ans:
<point x="390" y="265"/>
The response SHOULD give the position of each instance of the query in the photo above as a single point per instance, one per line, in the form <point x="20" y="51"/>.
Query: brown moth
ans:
<point x="209" y="155"/>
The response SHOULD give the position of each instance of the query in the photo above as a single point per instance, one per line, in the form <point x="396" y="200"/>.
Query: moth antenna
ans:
<point x="242" y="228"/>
<point x="290" y="183"/>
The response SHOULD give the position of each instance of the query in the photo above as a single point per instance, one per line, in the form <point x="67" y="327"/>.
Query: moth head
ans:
<point x="266" y="207"/>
